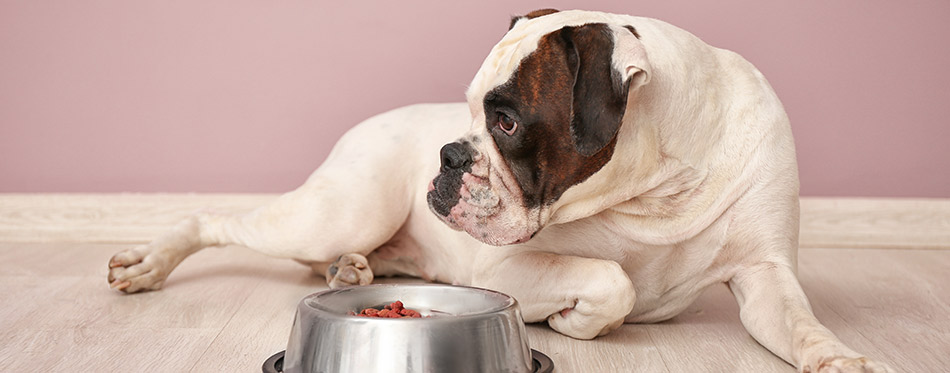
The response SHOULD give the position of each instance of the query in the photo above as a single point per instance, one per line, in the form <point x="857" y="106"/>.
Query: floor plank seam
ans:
<point x="658" y="351"/>
<point x="225" y="326"/>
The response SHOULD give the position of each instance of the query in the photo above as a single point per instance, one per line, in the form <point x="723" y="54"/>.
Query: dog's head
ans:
<point x="546" y="105"/>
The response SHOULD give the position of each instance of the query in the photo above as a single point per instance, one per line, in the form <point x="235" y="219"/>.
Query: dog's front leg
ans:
<point x="774" y="309"/>
<point x="579" y="297"/>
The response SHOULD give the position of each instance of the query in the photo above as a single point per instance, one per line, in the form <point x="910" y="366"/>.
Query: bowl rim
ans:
<point x="323" y="312"/>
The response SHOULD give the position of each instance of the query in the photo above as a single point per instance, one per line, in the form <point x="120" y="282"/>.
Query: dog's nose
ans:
<point x="455" y="156"/>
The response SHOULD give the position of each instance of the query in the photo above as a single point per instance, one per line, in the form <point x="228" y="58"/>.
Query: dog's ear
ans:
<point x="630" y="58"/>
<point x="534" y="14"/>
<point x="606" y="64"/>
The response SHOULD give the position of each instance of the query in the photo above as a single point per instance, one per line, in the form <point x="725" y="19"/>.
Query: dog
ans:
<point x="609" y="169"/>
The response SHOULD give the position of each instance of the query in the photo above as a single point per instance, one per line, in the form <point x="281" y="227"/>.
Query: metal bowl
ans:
<point x="466" y="330"/>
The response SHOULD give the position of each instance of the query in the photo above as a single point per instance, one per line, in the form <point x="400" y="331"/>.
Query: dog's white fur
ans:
<point x="702" y="189"/>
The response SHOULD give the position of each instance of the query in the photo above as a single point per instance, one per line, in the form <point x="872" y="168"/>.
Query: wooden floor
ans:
<point x="228" y="309"/>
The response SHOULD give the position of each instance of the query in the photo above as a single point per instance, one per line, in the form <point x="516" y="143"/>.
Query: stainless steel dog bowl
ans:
<point x="467" y="330"/>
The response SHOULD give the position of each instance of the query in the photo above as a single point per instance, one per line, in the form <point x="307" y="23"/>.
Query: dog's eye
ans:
<point x="507" y="125"/>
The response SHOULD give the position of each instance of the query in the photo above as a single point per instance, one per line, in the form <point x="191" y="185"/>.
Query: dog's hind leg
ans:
<point x="353" y="203"/>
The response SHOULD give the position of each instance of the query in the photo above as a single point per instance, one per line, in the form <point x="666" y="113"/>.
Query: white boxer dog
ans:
<point x="613" y="169"/>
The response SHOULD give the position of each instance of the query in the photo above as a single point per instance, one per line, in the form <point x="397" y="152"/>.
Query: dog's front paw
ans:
<point x="348" y="270"/>
<point x="600" y="309"/>
<point x="843" y="364"/>
<point x="138" y="269"/>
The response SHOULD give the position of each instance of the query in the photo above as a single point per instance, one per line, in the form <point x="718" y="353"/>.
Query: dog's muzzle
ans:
<point x="443" y="193"/>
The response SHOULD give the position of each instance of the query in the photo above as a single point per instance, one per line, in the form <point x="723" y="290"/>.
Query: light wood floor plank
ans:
<point x="108" y="218"/>
<point x="628" y="349"/>
<point x="709" y="336"/>
<point x="877" y="300"/>
<point x="261" y="327"/>
<point x="875" y="223"/>
<point x="102" y="350"/>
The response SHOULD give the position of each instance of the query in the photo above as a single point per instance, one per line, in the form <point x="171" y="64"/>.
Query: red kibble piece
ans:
<point x="370" y="312"/>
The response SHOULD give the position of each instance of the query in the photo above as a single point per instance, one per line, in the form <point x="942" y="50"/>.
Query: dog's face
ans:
<point x="547" y="105"/>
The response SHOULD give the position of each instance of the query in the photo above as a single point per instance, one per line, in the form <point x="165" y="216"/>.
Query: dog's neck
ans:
<point x="649" y="181"/>
<point x="665" y="152"/>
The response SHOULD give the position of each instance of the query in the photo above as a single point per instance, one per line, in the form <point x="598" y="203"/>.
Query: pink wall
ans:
<point x="248" y="96"/>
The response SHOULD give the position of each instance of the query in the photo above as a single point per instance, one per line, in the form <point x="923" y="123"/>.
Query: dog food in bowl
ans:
<point x="394" y="310"/>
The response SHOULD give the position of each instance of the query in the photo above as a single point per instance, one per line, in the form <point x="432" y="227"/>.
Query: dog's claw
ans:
<point x="120" y="285"/>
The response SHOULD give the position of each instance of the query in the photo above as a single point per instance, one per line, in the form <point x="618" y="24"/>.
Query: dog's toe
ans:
<point x="126" y="258"/>
<point x="348" y="270"/>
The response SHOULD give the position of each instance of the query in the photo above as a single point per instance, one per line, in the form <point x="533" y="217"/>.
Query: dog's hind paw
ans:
<point x="348" y="270"/>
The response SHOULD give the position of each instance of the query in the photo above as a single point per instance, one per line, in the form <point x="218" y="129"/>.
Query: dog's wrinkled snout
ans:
<point x="456" y="156"/>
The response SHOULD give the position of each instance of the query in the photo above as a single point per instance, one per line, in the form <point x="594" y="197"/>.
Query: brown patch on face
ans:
<point x="568" y="103"/>
<point x="532" y="15"/>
